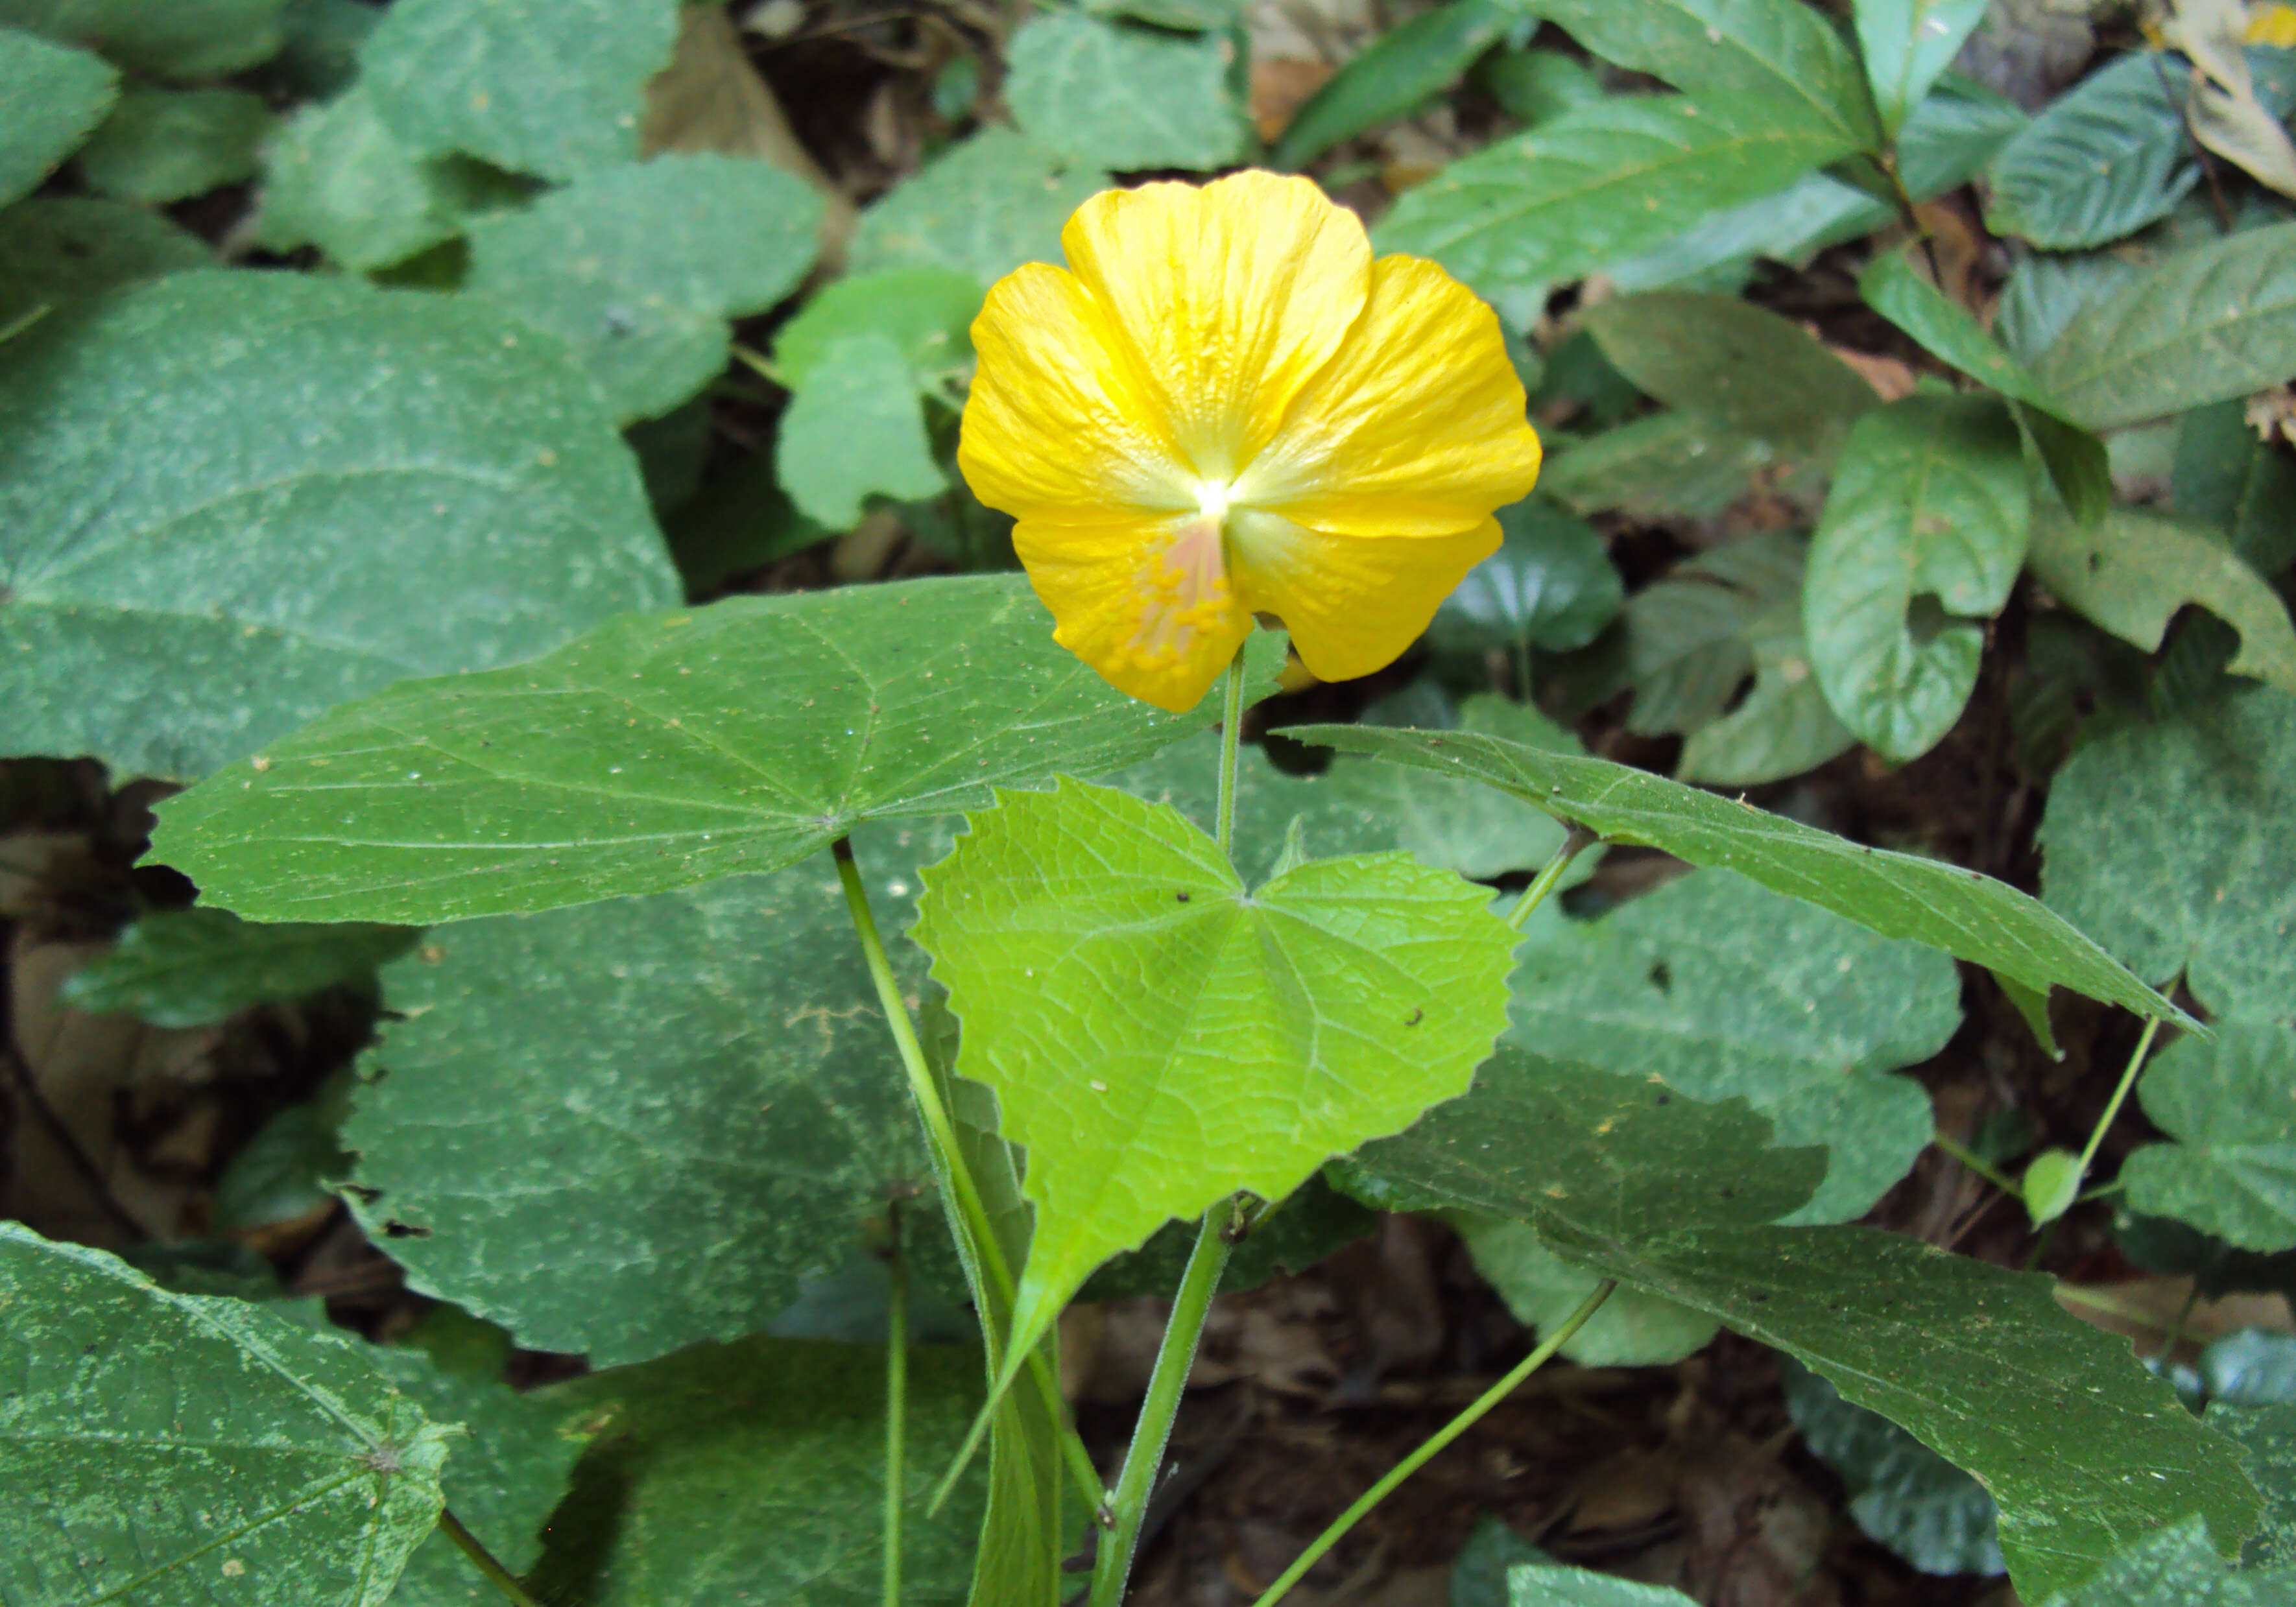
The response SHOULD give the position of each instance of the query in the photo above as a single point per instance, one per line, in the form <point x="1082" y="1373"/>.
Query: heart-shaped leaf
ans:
<point x="2226" y="1101"/>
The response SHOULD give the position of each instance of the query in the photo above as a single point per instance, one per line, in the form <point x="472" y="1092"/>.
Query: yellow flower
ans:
<point x="1223" y="407"/>
<point x="2271" y="25"/>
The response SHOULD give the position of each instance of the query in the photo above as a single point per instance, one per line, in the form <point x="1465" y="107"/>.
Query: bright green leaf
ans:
<point x="983" y="208"/>
<point x="679" y="1108"/>
<point x="1928" y="516"/>
<point x="639" y="267"/>
<point x="551" y="88"/>
<point x="1599" y="183"/>
<point x="854" y="432"/>
<point x="1901" y="1493"/>
<point x="1238" y="1039"/>
<point x="2102" y="160"/>
<point x="1726" y="991"/>
<point x="1550" y="586"/>
<point x="1966" y="913"/>
<point x="1908" y="45"/>
<point x="925" y="311"/>
<point x="160" y="146"/>
<point x="2207" y="324"/>
<point x="176" y="1450"/>
<point x="338" y="177"/>
<point x="1120" y="96"/>
<point x="221" y="491"/>
<point x="178" y="39"/>
<point x="1391" y="76"/>
<point x="2225" y="1100"/>
<point x="2131" y="573"/>
<point x="50" y="98"/>
<point x="59" y="250"/>
<point x="752" y="733"/>
<point x="753" y="1473"/>
<point x="1742" y="366"/>
<point x="195" y="967"/>
<point x="1780" y="52"/>
<point x="2050" y="1185"/>
<point x="1541" y="1291"/>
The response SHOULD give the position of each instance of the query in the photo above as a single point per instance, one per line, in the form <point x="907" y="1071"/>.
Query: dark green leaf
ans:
<point x="2178" y="1568"/>
<point x="2045" y="290"/>
<point x="1121" y="96"/>
<point x="2267" y="1438"/>
<point x="51" y="98"/>
<point x="983" y="208"/>
<point x="221" y="491"/>
<point x="1908" y="45"/>
<point x="1543" y="1290"/>
<point x="2100" y="163"/>
<point x="1390" y="77"/>
<point x="1740" y="366"/>
<point x="2227" y="477"/>
<point x="1929" y="512"/>
<point x="175" y="1450"/>
<point x="1189" y="16"/>
<point x="1665" y="465"/>
<point x="1288" y="1237"/>
<point x="2213" y="322"/>
<point x="1479" y="1574"/>
<point x="1966" y="913"/>
<point x="178" y="39"/>
<point x="639" y="267"/>
<point x="1533" y="85"/>
<point x="2233" y="1170"/>
<point x="1599" y="183"/>
<point x="160" y="146"/>
<point x="59" y="250"/>
<point x="551" y="88"/>
<point x="289" y="1169"/>
<point x="1551" y="585"/>
<point x="193" y="967"/>
<point x="1271" y="807"/>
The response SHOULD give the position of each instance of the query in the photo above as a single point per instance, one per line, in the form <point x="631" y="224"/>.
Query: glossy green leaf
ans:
<point x="2178" y="1568"/>
<point x="1391" y="76"/>
<point x="1120" y="96"/>
<point x="2084" y="1449"/>
<point x="1928" y="513"/>
<point x="2167" y="841"/>
<point x="160" y="146"/>
<point x="2226" y="476"/>
<point x="753" y="733"/>
<point x="1742" y="366"/>
<point x="983" y="208"/>
<point x="637" y="268"/>
<point x="193" y="967"/>
<point x="678" y="1108"/>
<point x="1908" y="45"/>
<point x="52" y="97"/>
<point x="1541" y="1291"/>
<point x="1901" y="1493"/>
<point x="60" y="249"/>
<point x="2132" y="571"/>
<point x="752" y="1475"/>
<point x="927" y="312"/>
<point x="206" y="502"/>
<point x="1781" y="53"/>
<point x="2267" y="1439"/>
<point x="338" y="177"/>
<point x="1669" y="465"/>
<point x="856" y="431"/>
<point x="2208" y="322"/>
<point x="1238" y="1039"/>
<point x="1966" y="913"/>
<point x="177" y="1450"/>
<point x="2101" y="161"/>
<point x="1550" y="586"/>
<point x="2225" y="1100"/>
<point x="551" y="88"/>
<point x="178" y="39"/>
<point x="508" y="1470"/>
<point x="1726" y="991"/>
<point x="1601" y="182"/>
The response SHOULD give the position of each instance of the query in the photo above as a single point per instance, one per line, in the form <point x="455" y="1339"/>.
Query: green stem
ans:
<point x="2128" y="1081"/>
<point x="499" y="1576"/>
<point x="896" y="1407"/>
<point x="1974" y="1162"/>
<point x="956" y="1179"/>
<point x="1575" y="842"/>
<point x="1231" y="730"/>
<point x="1443" y="1437"/>
<point x="1128" y="1507"/>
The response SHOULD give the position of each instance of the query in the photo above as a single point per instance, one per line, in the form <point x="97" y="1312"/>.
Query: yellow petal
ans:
<point x="1351" y="603"/>
<point x="1148" y="602"/>
<point x="1417" y="429"/>
<point x="2274" y="25"/>
<point x="1057" y="426"/>
<point x="1232" y="297"/>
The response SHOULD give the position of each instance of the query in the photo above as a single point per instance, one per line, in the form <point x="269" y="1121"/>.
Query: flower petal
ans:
<point x="1418" y="428"/>
<point x="1232" y="297"/>
<point x="1351" y="603"/>
<point x="1147" y="602"/>
<point x="1057" y="426"/>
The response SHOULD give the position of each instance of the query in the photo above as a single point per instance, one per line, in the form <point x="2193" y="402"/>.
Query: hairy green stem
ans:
<point x="483" y="1560"/>
<point x="897" y="1406"/>
<point x="1442" y="1436"/>
<point x="1975" y="1162"/>
<point x="2128" y="1081"/>
<point x="1231" y="722"/>
<point x="1145" y="1458"/>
